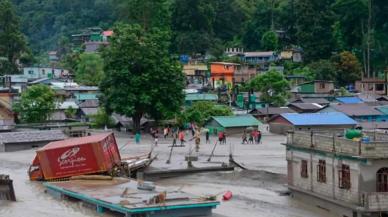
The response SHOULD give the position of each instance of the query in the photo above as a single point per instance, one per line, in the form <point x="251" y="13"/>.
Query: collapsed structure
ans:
<point x="343" y="176"/>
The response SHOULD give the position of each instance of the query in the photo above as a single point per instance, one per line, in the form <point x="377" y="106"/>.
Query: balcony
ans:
<point x="330" y="143"/>
<point x="375" y="201"/>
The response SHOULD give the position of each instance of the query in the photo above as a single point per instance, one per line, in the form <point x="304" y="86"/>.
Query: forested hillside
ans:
<point x="321" y="27"/>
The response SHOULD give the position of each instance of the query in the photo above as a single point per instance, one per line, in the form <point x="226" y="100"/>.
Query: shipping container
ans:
<point x="76" y="156"/>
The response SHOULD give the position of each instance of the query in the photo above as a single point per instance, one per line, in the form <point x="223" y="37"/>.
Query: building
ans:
<point x="269" y="112"/>
<point x="316" y="87"/>
<point x="360" y="112"/>
<point x="305" y="107"/>
<point x="231" y="124"/>
<point x="15" y="82"/>
<point x="346" y="178"/>
<point x="332" y="121"/>
<point x="222" y="73"/>
<point x="196" y="73"/>
<point x="53" y="56"/>
<point x="16" y="141"/>
<point x="371" y="86"/>
<point x="195" y="97"/>
<point x="258" y="58"/>
<point x="7" y="118"/>
<point x="293" y="54"/>
<point x="33" y="73"/>
<point x="88" y="108"/>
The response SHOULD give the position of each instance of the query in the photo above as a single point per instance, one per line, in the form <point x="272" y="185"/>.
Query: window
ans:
<point x="321" y="169"/>
<point x="303" y="169"/>
<point x="344" y="177"/>
<point x="379" y="87"/>
<point x="43" y="72"/>
<point x="322" y="85"/>
<point x="30" y="72"/>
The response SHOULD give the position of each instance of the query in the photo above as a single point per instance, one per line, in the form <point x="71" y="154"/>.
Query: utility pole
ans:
<point x="369" y="36"/>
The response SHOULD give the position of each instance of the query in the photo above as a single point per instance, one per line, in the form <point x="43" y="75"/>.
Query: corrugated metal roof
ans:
<point x="383" y="109"/>
<point x="349" y="100"/>
<point x="316" y="119"/>
<point x="85" y="96"/>
<point x="201" y="97"/>
<point x="307" y="106"/>
<point x="357" y="109"/>
<point x="32" y="136"/>
<point x="89" y="111"/>
<point x="237" y="121"/>
<point x="272" y="110"/>
<point x="259" y="54"/>
<point x="75" y="141"/>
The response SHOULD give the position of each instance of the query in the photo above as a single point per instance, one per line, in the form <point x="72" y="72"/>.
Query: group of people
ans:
<point x="254" y="137"/>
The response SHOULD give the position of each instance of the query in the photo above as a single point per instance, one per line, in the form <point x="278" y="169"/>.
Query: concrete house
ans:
<point x="257" y="58"/>
<point x="345" y="178"/>
<point x="270" y="112"/>
<point x="232" y="124"/>
<point x="332" y="121"/>
<point x="316" y="87"/>
<point x="33" y="73"/>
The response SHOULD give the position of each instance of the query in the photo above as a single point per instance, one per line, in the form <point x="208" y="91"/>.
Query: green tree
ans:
<point x="12" y="41"/>
<point x="70" y="112"/>
<point x="201" y="111"/>
<point x="36" y="104"/>
<point x="193" y="25"/>
<point x="348" y="68"/>
<point x="147" y="13"/>
<point x="90" y="69"/>
<point x="314" y="28"/>
<point x="270" y="41"/>
<point x="272" y="86"/>
<point x="101" y="119"/>
<point x="141" y="78"/>
<point x="323" y="70"/>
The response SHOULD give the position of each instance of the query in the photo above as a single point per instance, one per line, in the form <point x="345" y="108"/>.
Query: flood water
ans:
<point x="255" y="193"/>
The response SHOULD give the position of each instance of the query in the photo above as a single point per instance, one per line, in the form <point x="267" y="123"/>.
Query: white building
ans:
<point x="33" y="73"/>
<point x="344" y="177"/>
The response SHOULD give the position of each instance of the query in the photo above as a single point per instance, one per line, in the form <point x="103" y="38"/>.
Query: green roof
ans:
<point x="85" y="96"/>
<point x="201" y="97"/>
<point x="237" y="121"/>
<point x="383" y="109"/>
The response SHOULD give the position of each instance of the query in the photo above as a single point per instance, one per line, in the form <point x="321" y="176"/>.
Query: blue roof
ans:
<point x="309" y="119"/>
<point x="349" y="100"/>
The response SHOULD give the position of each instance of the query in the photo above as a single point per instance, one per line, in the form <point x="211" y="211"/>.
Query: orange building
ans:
<point x="222" y="73"/>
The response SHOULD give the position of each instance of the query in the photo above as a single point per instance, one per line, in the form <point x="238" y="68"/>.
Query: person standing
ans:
<point x="207" y="137"/>
<point x="244" y="138"/>
<point x="165" y="132"/>
<point x="174" y="138"/>
<point x="137" y="137"/>
<point x="224" y="137"/>
<point x="156" y="138"/>
<point x="251" y="138"/>
<point x="220" y="137"/>
<point x="181" y="137"/>
<point x="258" y="137"/>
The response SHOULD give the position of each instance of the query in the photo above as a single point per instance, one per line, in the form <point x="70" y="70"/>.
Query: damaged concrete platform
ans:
<point x="123" y="196"/>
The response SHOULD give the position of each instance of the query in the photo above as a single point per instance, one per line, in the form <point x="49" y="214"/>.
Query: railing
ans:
<point x="375" y="201"/>
<point x="333" y="143"/>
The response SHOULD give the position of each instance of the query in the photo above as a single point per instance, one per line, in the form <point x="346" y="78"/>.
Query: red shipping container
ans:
<point x="76" y="156"/>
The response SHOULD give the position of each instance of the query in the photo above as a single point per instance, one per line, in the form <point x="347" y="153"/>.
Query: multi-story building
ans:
<point x="347" y="178"/>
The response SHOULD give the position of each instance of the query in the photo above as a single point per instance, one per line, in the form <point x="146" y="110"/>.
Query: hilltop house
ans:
<point x="33" y="73"/>
<point x="315" y="87"/>
<point x="257" y="58"/>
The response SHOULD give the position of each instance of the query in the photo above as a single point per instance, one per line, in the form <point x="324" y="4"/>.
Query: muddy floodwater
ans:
<point x="257" y="192"/>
